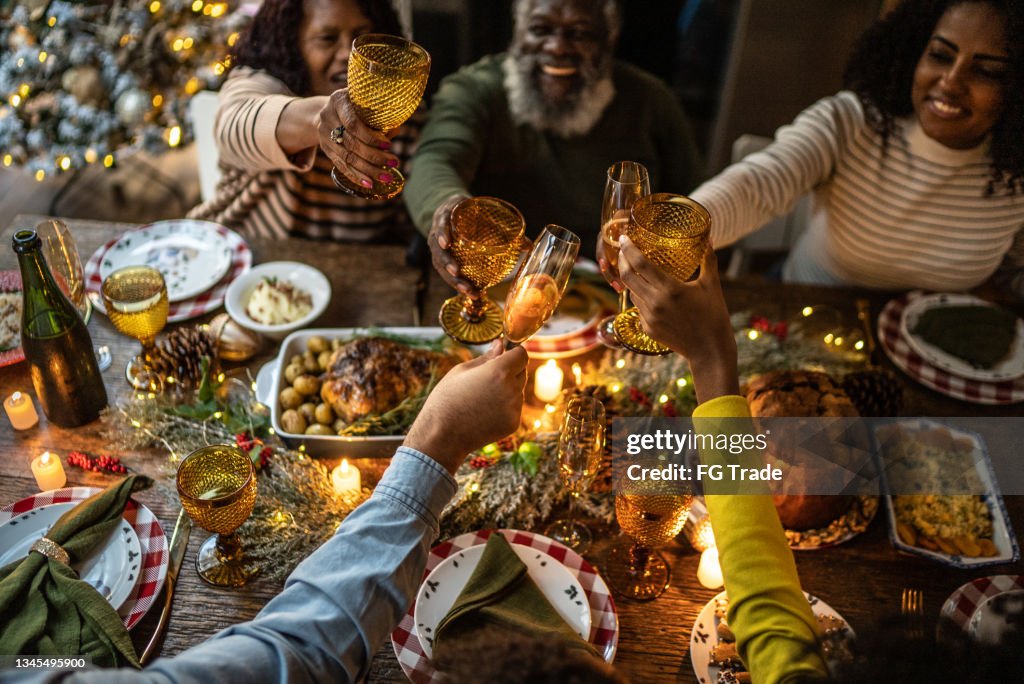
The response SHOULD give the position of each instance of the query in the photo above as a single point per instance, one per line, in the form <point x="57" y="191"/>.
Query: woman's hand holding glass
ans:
<point x="360" y="153"/>
<point x="386" y="79"/>
<point x="668" y="307"/>
<point x="672" y="232"/>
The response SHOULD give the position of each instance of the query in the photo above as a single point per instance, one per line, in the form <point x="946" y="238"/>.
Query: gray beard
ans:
<point x="577" y="115"/>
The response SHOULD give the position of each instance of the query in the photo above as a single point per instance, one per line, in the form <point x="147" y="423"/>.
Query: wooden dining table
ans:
<point x="372" y="285"/>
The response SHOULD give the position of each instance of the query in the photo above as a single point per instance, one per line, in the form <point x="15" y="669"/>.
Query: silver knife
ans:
<point x="179" y="542"/>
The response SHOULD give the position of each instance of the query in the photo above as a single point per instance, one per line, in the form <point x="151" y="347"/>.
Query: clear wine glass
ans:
<point x="386" y="79"/>
<point x="61" y="255"/>
<point x="540" y="283"/>
<point x="580" y="451"/>
<point x="64" y="262"/>
<point x="627" y="182"/>
<point x="672" y="232"/>
<point x="136" y="301"/>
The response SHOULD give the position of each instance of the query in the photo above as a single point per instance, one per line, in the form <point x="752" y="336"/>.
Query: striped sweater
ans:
<point x="915" y="216"/>
<point x="263" y="191"/>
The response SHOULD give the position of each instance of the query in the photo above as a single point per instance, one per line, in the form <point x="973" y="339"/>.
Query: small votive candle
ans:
<point x="547" y="383"/>
<point x="49" y="471"/>
<point x="709" y="572"/>
<point x="346" y="479"/>
<point x="21" y="411"/>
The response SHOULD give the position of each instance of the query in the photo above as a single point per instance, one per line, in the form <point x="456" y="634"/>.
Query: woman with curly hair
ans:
<point x="917" y="169"/>
<point x="284" y="95"/>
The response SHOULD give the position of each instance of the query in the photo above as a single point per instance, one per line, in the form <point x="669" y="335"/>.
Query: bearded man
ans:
<point x="540" y="125"/>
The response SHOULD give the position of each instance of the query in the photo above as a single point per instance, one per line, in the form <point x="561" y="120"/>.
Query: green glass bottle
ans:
<point x="56" y="342"/>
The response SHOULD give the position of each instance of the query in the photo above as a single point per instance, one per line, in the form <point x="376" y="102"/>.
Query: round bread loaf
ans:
<point x="809" y="394"/>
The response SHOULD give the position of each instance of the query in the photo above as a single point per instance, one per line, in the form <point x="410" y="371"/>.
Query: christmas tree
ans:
<point x="85" y="82"/>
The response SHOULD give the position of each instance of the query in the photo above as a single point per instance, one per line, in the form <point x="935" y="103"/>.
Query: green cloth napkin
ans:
<point x="501" y="593"/>
<point x="45" y="609"/>
<point x="980" y="335"/>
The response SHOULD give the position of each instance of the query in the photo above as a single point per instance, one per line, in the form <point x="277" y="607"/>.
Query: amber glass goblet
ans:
<point x="672" y="232"/>
<point x="487" y="238"/>
<point x="650" y="518"/>
<point x="386" y="78"/>
<point x="217" y="487"/>
<point x="136" y="302"/>
<point x="627" y="182"/>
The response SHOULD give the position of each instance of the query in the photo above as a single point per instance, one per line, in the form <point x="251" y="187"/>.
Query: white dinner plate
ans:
<point x="1012" y="366"/>
<point x="191" y="255"/>
<point x="704" y="636"/>
<point x="112" y="569"/>
<point x="439" y="590"/>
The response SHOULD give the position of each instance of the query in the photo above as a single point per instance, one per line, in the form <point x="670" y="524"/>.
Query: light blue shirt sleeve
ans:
<point x="337" y="607"/>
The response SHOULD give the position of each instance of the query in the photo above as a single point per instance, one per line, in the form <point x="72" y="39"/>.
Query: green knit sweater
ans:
<point x="471" y="145"/>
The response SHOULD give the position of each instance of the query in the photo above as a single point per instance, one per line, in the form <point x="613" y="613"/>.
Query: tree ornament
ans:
<point x="85" y="83"/>
<point x="132" y="107"/>
<point x="179" y="355"/>
<point x="232" y="342"/>
<point x="20" y="37"/>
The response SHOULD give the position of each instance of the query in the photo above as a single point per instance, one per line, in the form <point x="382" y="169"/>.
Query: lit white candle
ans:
<point x="21" y="411"/>
<point x="547" y="383"/>
<point x="709" y="572"/>
<point x="346" y="479"/>
<point x="49" y="471"/>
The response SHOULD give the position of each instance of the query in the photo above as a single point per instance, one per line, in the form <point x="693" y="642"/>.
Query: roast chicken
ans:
<point x="372" y="375"/>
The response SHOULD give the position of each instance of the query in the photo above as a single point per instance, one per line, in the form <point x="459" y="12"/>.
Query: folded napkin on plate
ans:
<point x="501" y="593"/>
<point x="980" y="335"/>
<point x="45" y="609"/>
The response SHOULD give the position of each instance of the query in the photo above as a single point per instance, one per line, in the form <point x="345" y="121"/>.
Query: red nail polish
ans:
<point x="392" y="163"/>
<point x="386" y="145"/>
<point x="365" y="183"/>
<point x="384" y="178"/>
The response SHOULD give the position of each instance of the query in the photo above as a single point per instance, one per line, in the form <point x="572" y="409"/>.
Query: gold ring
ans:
<point x="337" y="134"/>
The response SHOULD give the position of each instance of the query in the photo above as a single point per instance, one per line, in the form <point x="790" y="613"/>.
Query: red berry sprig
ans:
<point x="104" y="463"/>
<point x="478" y="462"/>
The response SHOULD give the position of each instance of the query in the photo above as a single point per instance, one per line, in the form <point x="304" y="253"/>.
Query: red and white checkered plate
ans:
<point x="910" y="362"/>
<point x="962" y="603"/>
<point x="146" y="526"/>
<point x="241" y="260"/>
<point x="604" y="623"/>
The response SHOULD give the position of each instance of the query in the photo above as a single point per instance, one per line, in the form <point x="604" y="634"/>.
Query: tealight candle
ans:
<point x="21" y="411"/>
<point x="709" y="572"/>
<point x="547" y="383"/>
<point x="346" y="479"/>
<point x="49" y="471"/>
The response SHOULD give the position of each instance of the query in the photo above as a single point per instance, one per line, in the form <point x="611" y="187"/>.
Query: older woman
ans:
<point x="285" y="94"/>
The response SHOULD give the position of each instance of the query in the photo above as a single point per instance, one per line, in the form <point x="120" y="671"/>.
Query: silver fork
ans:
<point x="912" y="608"/>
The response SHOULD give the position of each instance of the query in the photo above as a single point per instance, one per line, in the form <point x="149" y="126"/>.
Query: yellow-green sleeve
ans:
<point x="776" y="633"/>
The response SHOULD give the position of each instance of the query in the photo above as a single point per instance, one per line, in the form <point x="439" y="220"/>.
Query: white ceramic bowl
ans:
<point x="298" y="275"/>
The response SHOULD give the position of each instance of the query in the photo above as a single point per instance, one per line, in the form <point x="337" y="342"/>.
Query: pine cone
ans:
<point x="875" y="392"/>
<point x="179" y="355"/>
